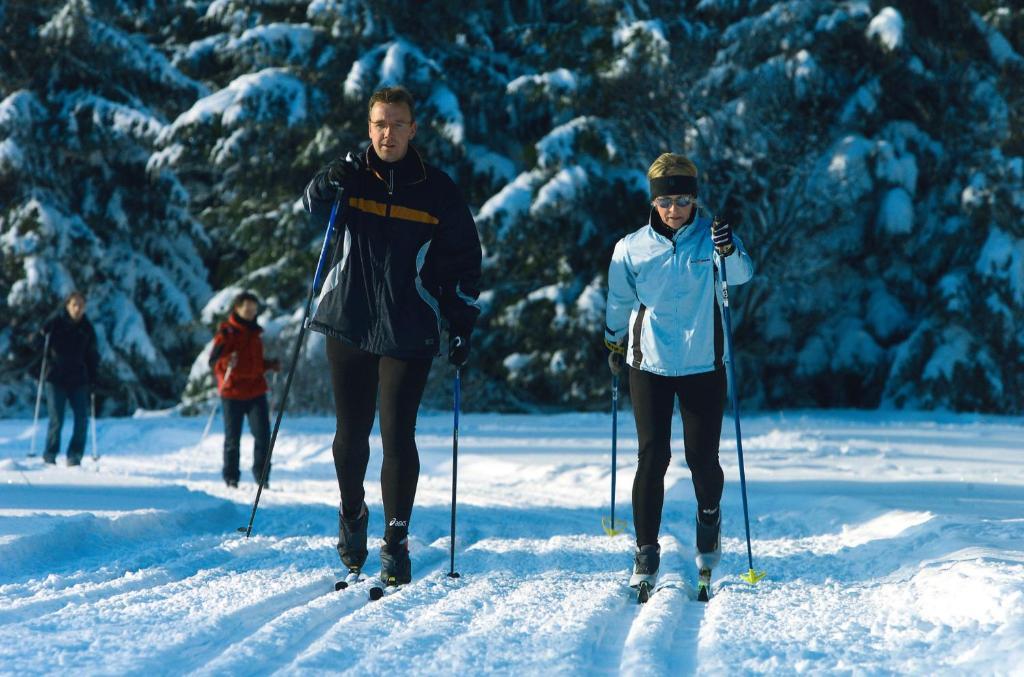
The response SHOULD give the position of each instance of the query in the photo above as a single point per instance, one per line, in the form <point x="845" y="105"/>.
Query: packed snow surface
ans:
<point x="892" y="543"/>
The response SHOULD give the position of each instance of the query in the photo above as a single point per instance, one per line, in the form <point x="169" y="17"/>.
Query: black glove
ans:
<point x="341" y="171"/>
<point x="458" y="350"/>
<point x="721" y="235"/>
<point x="616" y="356"/>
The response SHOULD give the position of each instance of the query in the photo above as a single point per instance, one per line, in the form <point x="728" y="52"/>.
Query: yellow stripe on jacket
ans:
<point x="397" y="211"/>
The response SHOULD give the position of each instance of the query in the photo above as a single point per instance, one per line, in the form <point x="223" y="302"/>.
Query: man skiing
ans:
<point x="407" y="262"/>
<point x="663" y="320"/>
<point x="72" y="362"/>
<point x="238" y="363"/>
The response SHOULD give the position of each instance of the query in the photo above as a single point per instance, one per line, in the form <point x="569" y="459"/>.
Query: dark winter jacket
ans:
<point x="72" y="358"/>
<point x="246" y="380"/>
<point x="407" y="259"/>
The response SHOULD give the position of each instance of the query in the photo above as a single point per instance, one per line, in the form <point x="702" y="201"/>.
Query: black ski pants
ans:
<point x="701" y="404"/>
<point x="357" y="376"/>
<point x="57" y="398"/>
<point x="258" y="412"/>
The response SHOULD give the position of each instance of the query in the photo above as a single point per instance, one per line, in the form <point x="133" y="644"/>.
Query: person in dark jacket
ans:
<point x="72" y="361"/>
<point x="238" y="363"/>
<point x="406" y="264"/>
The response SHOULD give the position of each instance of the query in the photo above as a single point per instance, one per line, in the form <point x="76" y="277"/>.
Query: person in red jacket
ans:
<point x="238" y="363"/>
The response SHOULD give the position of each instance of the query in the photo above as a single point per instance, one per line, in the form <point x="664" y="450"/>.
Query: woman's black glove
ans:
<point x="721" y="235"/>
<point x="616" y="356"/>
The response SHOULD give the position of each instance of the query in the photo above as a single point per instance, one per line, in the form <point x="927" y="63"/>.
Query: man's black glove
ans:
<point x="342" y="170"/>
<point x="458" y="350"/>
<point x="721" y="235"/>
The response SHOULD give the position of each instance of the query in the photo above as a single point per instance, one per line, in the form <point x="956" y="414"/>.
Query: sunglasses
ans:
<point x="667" y="202"/>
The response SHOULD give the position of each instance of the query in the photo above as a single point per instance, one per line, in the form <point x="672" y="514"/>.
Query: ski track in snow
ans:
<point x="892" y="543"/>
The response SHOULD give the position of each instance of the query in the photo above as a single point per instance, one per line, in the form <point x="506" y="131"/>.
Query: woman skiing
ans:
<point x="663" y="321"/>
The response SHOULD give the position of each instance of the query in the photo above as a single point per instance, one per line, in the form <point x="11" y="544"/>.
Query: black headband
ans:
<point x="673" y="185"/>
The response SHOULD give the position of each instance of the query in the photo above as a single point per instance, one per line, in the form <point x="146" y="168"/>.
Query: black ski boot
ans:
<point x="646" y="561"/>
<point x="709" y="549"/>
<point x="709" y="538"/>
<point x="352" y="539"/>
<point x="395" y="565"/>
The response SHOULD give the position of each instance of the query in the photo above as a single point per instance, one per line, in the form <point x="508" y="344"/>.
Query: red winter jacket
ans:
<point x="246" y="379"/>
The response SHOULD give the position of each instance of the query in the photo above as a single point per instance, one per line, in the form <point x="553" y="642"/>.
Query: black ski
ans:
<point x="643" y="592"/>
<point x="704" y="585"/>
<point x="352" y="578"/>
<point x="379" y="590"/>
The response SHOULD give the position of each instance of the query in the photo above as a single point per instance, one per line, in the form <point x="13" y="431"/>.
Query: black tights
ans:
<point x="701" y="403"/>
<point x="356" y="375"/>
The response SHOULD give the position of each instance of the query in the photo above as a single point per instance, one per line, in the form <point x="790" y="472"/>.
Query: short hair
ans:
<point x="74" y="295"/>
<point x="672" y="164"/>
<point x="396" y="94"/>
<point x="243" y="297"/>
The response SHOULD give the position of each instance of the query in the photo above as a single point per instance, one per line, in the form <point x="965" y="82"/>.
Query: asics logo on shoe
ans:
<point x="395" y="522"/>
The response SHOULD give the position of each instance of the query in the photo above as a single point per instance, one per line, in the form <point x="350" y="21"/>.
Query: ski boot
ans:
<point x="645" y="571"/>
<point x="352" y="539"/>
<point x="709" y="549"/>
<point x="395" y="565"/>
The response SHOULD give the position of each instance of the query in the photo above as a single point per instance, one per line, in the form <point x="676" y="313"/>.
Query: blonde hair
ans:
<point x="672" y="164"/>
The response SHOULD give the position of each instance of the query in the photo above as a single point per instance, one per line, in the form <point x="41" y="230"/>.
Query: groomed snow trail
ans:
<point x="891" y="542"/>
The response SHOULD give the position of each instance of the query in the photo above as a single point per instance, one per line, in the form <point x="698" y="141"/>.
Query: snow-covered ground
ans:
<point x="893" y="542"/>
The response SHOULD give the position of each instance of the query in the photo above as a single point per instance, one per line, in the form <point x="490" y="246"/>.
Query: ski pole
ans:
<point x="328" y="235"/>
<point x="39" y="394"/>
<point x="751" y="576"/>
<point x="455" y="464"/>
<point x="209" y="421"/>
<point x="95" y="449"/>
<point x="611" y="527"/>
<point x="273" y="390"/>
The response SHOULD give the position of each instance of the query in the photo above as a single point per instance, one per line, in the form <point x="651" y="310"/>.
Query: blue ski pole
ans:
<point x="328" y="236"/>
<point x="455" y="466"/>
<point x="611" y="527"/>
<point x="751" y="576"/>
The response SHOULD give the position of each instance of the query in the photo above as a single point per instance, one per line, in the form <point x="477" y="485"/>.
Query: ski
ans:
<point x="380" y="589"/>
<point x="351" y="578"/>
<point x="377" y="591"/>
<point x="704" y="585"/>
<point x="643" y="592"/>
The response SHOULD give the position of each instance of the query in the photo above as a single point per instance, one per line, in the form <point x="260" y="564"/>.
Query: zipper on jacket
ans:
<point x="391" y="189"/>
<point x="379" y="277"/>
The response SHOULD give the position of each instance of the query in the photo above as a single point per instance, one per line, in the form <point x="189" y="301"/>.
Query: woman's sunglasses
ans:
<point x="682" y="201"/>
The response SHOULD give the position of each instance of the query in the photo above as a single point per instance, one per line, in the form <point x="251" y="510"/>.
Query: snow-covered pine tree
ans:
<point x="82" y="100"/>
<point x="870" y="157"/>
<point x="852" y="146"/>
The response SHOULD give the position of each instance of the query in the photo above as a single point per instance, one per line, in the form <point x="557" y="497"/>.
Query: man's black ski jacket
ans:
<point x="407" y="258"/>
